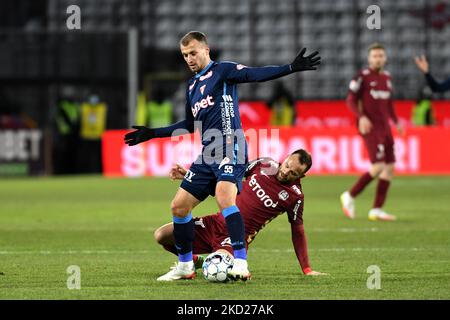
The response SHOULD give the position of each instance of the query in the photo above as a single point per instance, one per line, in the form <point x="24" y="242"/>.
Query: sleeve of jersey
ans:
<point x="239" y="73"/>
<point x="180" y="127"/>
<point x="300" y="246"/>
<point x="437" y="86"/>
<point x="251" y="167"/>
<point x="354" y="94"/>
<point x="295" y="211"/>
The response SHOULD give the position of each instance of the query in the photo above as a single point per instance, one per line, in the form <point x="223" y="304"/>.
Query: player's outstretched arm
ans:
<point x="302" y="63"/>
<point x="422" y="64"/>
<point x="139" y="135"/>
<point x="301" y="250"/>
<point x="239" y="73"/>
<point x="142" y="134"/>
<point x="437" y="86"/>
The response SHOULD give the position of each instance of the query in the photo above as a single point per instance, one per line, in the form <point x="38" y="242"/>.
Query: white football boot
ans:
<point x="181" y="270"/>
<point x="348" y="205"/>
<point x="377" y="214"/>
<point x="239" y="270"/>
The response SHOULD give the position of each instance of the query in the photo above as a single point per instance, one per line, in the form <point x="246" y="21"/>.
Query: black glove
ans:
<point x="302" y="63"/>
<point x="141" y="134"/>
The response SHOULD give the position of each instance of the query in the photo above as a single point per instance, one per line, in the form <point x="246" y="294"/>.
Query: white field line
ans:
<point x="101" y="252"/>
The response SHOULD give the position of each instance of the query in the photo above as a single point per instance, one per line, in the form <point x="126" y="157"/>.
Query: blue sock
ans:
<point x="183" y="232"/>
<point x="236" y="231"/>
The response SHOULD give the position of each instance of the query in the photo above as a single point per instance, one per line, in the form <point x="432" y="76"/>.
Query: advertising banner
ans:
<point x="21" y="152"/>
<point x="334" y="151"/>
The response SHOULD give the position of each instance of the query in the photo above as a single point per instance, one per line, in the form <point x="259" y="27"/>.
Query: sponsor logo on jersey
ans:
<point x="206" y="76"/>
<point x="263" y="172"/>
<point x="202" y="104"/>
<point x="283" y="195"/>
<point x="373" y="83"/>
<point x="261" y="193"/>
<point x="199" y="222"/>
<point x="227" y="113"/>
<point x="296" y="189"/>
<point x="380" y="94"/>
<point x="225" y="161"/>
<point x="297" y="206"/>
<point x="227" y="98"/>
<point x="202" y="89"/>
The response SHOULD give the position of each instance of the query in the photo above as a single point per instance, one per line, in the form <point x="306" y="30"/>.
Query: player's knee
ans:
<point x="179" y="210"/>
<point x="159" y="235"/>
<point x="225" y="203"/>
<point x="376" y="170"/>
<point x="387" y="173"/>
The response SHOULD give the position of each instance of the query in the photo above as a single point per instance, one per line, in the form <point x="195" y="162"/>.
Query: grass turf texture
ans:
<point x="105" y="227"/>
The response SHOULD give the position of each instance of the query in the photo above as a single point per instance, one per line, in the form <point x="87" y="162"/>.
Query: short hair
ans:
<point x="376" y="45"/>
<point x="304" y="158"/>
<point x="193" y="35"/>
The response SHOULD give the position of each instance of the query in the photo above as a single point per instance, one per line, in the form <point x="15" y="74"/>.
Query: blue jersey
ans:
<point x="212" y="98"/>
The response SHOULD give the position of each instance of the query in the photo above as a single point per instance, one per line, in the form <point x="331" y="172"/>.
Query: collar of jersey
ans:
<point x="198" y="75"/>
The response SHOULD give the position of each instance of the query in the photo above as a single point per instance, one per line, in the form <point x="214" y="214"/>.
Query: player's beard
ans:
<point x="281" y="179"/>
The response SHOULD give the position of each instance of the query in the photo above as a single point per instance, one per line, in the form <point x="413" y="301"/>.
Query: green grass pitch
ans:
<point x="105" y="226"/>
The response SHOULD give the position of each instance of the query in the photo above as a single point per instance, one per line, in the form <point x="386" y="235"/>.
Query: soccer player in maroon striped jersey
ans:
<point x="269" y="190"/>
<point x="370" y="99"/>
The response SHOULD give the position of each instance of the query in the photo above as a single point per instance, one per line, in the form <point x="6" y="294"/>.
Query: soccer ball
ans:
<point x="216" y="265"/>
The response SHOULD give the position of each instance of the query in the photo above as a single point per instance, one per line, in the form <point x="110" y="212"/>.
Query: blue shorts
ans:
<point x="201" y="179"/>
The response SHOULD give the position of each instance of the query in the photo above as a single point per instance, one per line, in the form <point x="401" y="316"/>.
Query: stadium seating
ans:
<point x="270" y="32"/>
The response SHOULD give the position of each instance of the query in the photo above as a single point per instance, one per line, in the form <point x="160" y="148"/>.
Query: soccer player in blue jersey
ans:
<point x="212" y="105"/>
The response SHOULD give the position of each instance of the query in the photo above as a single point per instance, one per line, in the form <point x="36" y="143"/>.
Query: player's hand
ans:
<point x="316" y="273"/>
<point x="302" y="63"/>
<point x="177" y="172"/>
<point x="422" y="63"/>
<point x="364" y="125"/>
<point x="141" y="134"/>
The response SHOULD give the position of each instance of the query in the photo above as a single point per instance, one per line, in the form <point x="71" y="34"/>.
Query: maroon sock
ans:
<point x="382" y="189"/>
<point x="359" y="186"/>
<point x="171" y="248"/>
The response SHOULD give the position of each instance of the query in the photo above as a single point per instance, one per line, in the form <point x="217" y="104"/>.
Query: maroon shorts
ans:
<point x="210" y="235"/>
<point x="380" y="148"/>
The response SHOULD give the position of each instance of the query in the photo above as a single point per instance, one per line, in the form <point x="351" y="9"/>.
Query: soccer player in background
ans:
<point x="370" y="99"/>
<point x="269" y="190"/>
<point x="423" y="66"/>
<point x="211" y="100"/>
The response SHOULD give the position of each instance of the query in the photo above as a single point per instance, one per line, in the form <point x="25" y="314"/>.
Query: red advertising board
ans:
<point x="334" y="113"/>
<point x="334" y="151"/>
